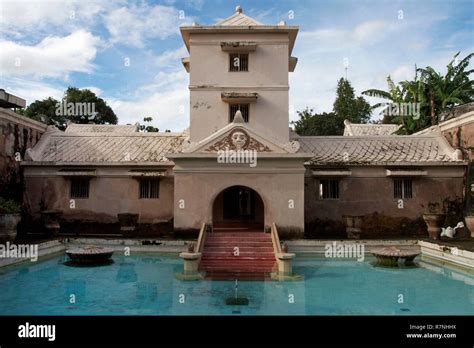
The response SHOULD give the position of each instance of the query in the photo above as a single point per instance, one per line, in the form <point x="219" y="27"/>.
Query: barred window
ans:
<point x="244" y="109"/>
<point x="238" y="62"/>
<point x="79" y="188"/>
<point x="149" y="188"/>
<point x="402" y="188"/>
<point x="329" y="189"/>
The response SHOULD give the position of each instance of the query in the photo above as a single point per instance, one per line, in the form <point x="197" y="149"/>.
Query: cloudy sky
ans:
<point x="128" y="52"/>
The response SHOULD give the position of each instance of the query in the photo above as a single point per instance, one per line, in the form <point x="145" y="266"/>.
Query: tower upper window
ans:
<point x="244" y="109"/>
<point x="238" y="62"/>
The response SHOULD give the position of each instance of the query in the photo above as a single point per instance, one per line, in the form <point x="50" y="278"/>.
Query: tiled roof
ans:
<point x="378" y="150"/>
<point x="101" y="128"/>
<point x="356" y="129"/>
<point x="56" y="146"/>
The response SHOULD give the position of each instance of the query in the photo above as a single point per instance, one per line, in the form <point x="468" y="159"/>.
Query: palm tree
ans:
<point x="454" y="88"/>
<point x="394" y="95"/>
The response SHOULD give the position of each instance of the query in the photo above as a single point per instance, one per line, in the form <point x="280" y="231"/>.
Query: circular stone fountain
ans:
<point x="90" y="255"/>
<point x="389" y="257"/>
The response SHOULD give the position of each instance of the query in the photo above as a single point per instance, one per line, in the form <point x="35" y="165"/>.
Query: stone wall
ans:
<point x="369" y="192"/>
<point x="17" y="133"/>
<point x="111" y="191"/>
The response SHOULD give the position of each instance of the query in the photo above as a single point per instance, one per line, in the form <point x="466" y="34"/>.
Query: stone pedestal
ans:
<point x="8" y="224"/>
<point x="191" y="262"/>
<point x="285" y="263"/>
<point x="469" y="223"/>
<point x="51" y="221"/>
<point x="434" y="223"/>
<point x="353" y="225"/>
<point x="128" y="223"/>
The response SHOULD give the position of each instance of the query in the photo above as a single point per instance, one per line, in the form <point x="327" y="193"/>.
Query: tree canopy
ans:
<point x="346" y="106"/>
<point x="80" y="106"/>
<point x="429" y="93"/>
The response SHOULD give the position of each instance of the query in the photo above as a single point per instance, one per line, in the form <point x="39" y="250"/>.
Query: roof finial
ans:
<point x="238" y="9"/>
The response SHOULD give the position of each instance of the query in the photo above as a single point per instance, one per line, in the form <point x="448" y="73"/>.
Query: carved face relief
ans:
<point x="239" y="139"/>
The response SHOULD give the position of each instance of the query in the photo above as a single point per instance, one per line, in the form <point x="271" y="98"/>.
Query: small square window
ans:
<point x="238" y="62"/>
<point x="402" y="189"/>
<point x="79" y="188"/>
<point x="149" y="188"/>
<point x="244" y="109"/>
<point x="329" y="189"/>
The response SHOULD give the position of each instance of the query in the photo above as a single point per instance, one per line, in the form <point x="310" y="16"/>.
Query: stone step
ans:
<point x="238" y="240"/>
<point x="237" y="234"/>
<point x="230" y="251"/>
<point x="243" y="264"/>
<point x="241" y="276"/>
<point x="254" y="257"/>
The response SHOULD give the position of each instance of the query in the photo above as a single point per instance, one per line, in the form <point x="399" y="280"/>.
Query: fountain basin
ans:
<point x="90" y="255"/>
<point x="390" y="257"/>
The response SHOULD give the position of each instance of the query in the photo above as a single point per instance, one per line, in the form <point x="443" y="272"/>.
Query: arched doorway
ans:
<point x="238" y="207"/>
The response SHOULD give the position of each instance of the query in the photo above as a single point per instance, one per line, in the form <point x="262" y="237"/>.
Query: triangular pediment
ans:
<point x="239" y="136"/>
<point x="238" y="19"/>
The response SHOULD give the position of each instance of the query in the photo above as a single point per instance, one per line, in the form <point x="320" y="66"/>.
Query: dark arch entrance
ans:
<point x="238" y="207"/>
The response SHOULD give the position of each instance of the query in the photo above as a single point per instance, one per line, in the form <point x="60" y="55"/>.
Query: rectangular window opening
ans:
<point x="149" y="188"/>
<point x="79" y="188"/>
<point x="402" y="188"/>
<point x="238" y="62"/>
<point x="329" y="189"/>
<point x="244" y="109"/>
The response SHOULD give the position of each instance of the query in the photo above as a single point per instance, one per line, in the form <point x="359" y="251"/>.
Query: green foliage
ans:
<point x="9" y="206"/>
<point x="346" y="106"/>
<point x="46" y="110"/>
<point x="148" y="128"/>
<point x="310" y="123"/>
<point x="434" y="92"/>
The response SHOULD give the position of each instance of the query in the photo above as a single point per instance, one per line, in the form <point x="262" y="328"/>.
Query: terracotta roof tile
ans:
<point x="377" y="149"/>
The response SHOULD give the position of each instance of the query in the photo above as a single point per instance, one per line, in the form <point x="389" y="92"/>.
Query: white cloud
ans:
<point x="335" y="39"/>
<point x="166" y="99"/>
<point x="170" y="110"/>
<point x="93" y="89"/>
<point x="20" y="17"/>
<point x="403" y="72"/>
<point x="32" y="90"/>
<point x="172" y="57"/>
<point x="52" y="57"/>
<point x="134" y="25"/>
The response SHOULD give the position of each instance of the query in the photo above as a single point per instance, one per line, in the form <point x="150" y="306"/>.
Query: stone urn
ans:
<point x="128" y="223"/>
<point x="8" y="224"/>
<point x="353" y="225"/>
<point x="51" y="221"/>
<point x="434" y="221"/>
<point x="469" y="223"/>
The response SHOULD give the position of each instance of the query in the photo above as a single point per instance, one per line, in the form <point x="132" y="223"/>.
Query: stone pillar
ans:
<point x="191" y="262"/>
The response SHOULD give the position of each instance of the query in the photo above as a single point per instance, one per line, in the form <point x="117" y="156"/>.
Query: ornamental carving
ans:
<point x="238" y="139"/>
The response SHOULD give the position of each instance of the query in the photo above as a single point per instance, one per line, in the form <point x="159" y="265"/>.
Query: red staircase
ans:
<point x="232" y="252"/>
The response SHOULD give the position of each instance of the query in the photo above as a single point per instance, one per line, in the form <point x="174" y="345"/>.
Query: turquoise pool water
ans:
<point x="146" y="285"/>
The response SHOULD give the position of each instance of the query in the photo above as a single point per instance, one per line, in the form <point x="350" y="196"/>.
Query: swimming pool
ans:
<point x="145" y="284"/>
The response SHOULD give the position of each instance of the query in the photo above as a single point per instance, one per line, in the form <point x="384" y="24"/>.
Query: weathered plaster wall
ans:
<point x="368" y="191"/>
<point x="267" y="76"/>
<point x="17" y="133"/>
<point x="198" y="187"/>
<point x="460" y="133"/>
<point x="111" y="192"/>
